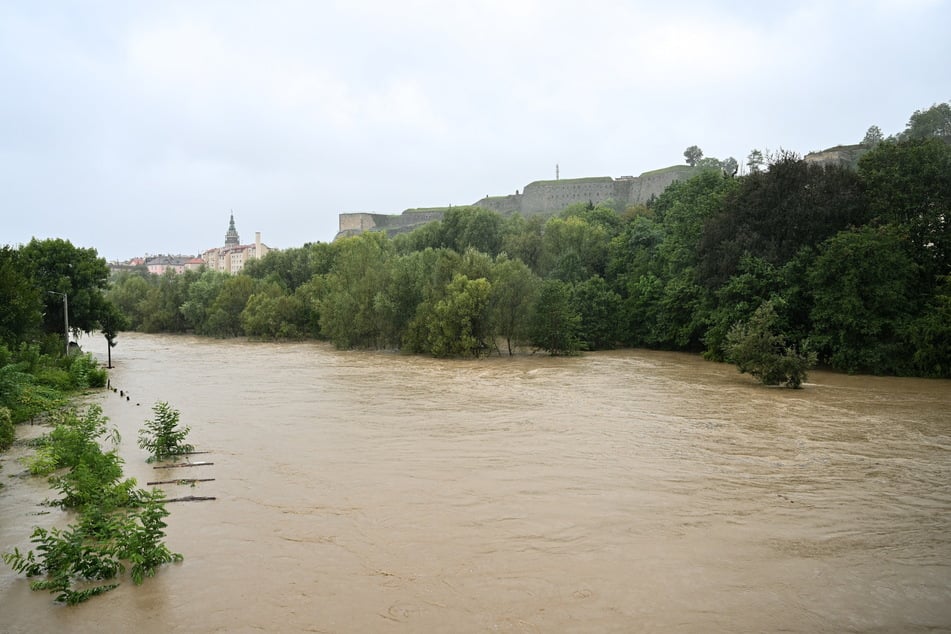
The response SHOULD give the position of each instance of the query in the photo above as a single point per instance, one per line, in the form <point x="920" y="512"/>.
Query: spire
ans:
<point x="231" y="238"/>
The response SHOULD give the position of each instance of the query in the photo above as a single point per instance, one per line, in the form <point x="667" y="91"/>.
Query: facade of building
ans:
<point x="232" y="257"/>
<point x="159" y="264"/>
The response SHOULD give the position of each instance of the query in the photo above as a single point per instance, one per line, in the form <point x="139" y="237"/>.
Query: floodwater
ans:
<point x="625" y="491"/>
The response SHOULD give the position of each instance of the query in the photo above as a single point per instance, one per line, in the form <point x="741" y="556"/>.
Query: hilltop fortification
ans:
<point x="539" y="197"/>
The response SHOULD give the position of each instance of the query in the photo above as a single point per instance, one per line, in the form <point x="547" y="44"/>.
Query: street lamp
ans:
<point x="65" y="316"/>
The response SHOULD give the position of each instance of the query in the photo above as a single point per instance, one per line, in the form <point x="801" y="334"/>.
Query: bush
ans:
<point x="757" y="348"/>
<point x="7" y="432"/>
<point x="56" y="378"/>
<point x="161" y="435"/>
<point x="118" y="524"/>
<point x="84" y="371"/>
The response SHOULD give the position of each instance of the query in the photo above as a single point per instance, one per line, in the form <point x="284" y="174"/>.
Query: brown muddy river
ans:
<point x="614" y="492"/>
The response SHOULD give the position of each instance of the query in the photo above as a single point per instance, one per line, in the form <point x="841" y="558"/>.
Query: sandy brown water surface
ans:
<point x="614" y="492"/>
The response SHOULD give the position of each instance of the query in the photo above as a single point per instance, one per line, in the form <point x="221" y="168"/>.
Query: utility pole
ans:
<point x="65" y="316"/>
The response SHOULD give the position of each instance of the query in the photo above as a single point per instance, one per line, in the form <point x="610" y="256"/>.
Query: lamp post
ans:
<point x="65" y="316"/>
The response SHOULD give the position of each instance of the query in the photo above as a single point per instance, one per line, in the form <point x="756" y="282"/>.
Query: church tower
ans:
<point x="231" y="238"/>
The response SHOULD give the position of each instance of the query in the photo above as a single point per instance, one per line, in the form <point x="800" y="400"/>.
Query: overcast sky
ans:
<point x="137" y="127"/>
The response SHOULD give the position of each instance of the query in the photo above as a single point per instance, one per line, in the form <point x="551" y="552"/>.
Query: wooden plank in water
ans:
<point x="180" y="481"/>
<point x="190" y="498"/>
<point x="183" y="464"/>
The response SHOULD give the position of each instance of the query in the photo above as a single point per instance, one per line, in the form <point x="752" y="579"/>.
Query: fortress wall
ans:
<point x="654" y="184"/>
<point x="540" y="197"/>
<point x="553" y="196"/>
<point x="410" y="218"/>
<point x="358" y="221"/>
<point x="505" y="205"/>
<point x="844" y="156"/>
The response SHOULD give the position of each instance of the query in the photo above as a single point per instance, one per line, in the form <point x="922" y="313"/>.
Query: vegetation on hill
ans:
<point x="855" y="266"/>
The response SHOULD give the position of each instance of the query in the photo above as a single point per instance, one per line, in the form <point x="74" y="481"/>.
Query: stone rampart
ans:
<point x="550" y="197"/>
<point x="539" y="197"/>
<point x="842" y="155"/>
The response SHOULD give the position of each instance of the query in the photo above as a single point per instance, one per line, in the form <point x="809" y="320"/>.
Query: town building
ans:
<point x="232" y="257"/>
<point x="159" y="264"/>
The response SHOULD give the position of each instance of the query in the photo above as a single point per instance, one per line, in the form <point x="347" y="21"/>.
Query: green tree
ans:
<point x="129" y="292"/>
<point x="909" y="184"/>
<point x="710" y="163"/>
<point x="293" y="267"/>
<point x="759" y="348"/>
<point x="427" y="236"/>
<point x="162" y="436"/>
<point x="602" y="215"/>
<point x="873" y="136"/>
<point x="57" y="267"/>
<point x="693" y="154"/>
<point x="665" y="302"/>
<point x="459" y="323"/>
<point x="773" y="214"/>
<point x="642" y="317"/>
<point x="755" y="161"/>
<point x="930" y="335"/>
<point x="273" y="314"/>
<point x="472" y="227"/>
<point x="224" y="317"/>
<point x="556" y="324"/>
<point x="930" y="123"/>
<point x="730" y="166"/>
<point x="756" y="281"/>
<point x="599" y="307"/>
<point x="514" y="288"/>
<point x="20" y="298"/>
<point x="111" y="323"/>
<point x="864" y="299"/>
<point x="350" y="314"/>
<point x="635" y="251"/>
<point x="199" y="297"/>
<point x="573" y="250"/>
<point x="161" y="307"/>
<point x="522" y="239"/>
<point x="682" y="315"/>
<point x="7" y="431"/>
<point x="309" y="295"/>
<point x="684" y="209"/>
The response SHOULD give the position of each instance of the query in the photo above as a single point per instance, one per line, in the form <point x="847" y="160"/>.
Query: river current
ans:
<point x="627" y="491"/>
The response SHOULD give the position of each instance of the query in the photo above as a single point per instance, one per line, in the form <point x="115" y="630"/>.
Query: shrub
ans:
<point x="118" y="525"/>
<point x="162" y="436"/>
<point x="756" y="347"/>
<point x="7" y="432"/>
<point x="84" y="371"/>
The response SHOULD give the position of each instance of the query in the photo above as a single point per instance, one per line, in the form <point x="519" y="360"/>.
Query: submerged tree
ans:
<point x="111" y="323"/>
<point x="556" y="325"/>
<point x="162" y="436"/>
<point x="758" y="348"/>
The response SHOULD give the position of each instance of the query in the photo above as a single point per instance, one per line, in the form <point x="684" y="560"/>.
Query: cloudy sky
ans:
<point x="138" y="127"/>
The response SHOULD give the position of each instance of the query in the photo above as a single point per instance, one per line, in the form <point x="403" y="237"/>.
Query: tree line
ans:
<point x="851" y="266"/>
<point x="39" y="283"/>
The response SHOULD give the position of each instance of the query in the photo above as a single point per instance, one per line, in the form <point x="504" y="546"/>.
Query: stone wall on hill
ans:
<point x="539" y="197"/>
